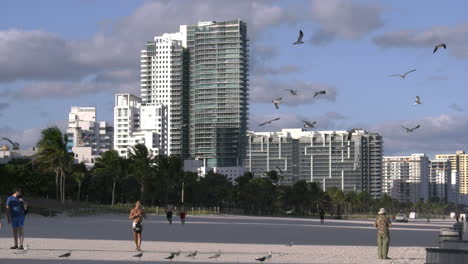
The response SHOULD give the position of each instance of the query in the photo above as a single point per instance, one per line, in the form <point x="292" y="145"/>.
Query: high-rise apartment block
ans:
<point x="200" y="74"/>
<point x="406" y="178"/>
<point x="349" y="162"/>
<point x="459" y="165"/>
<point x="440" y="186"/>
<point x="87" y="138"/>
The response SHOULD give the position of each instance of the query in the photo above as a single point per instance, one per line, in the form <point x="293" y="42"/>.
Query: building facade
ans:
<point x="87" y="138"/>
<point x="349" y="162"/>
<point x="459" y="165"/>
<point x="406" y="178"/>
<point x="135" y="123"/>
<point x="440" y="180"/>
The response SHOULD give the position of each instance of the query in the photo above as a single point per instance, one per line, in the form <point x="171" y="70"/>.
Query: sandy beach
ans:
<point x="107" y="239"/>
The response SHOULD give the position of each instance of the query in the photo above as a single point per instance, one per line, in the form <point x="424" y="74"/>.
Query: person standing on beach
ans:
<point x="169" y="212"/>
<point x="322" y="216"/>
<point x="136" y="215"/>
<point x="382" y="223"/>
<point x="182" y="214"/>
<point x="15" y="215"/>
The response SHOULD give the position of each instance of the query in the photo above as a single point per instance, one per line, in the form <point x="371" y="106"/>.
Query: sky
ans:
<point x="56" y="54"/>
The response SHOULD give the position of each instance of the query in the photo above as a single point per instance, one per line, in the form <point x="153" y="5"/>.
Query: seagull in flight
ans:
<point x="350" y="133"/>
<point x="417" y="101"/>
<point x="277" y="101"/>
<point x="291" y="91"/>
<point x="441" y="45"/>
<point x="269" y="121"/>
<point x="217" y="255"/>
<point x="409" y="130"/>
<point x="193" y="254"/>
<point x="139" y="255"/>
<point x="299" y="39"/>
<point x="308" y="124"/>
<point x="262" y="259"/>
<point x="66" y="255"/>
<point x="403" y="76"/>
<point x="319" y="93"/>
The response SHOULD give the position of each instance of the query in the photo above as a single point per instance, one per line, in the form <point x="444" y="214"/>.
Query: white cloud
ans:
<point x="456" y="107"/>
<point x="345" y="19"/>
<point x="456" y="38"/>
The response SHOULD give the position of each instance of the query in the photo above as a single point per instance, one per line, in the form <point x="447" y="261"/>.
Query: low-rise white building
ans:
<point x="7" y="154"/>
<point x="135" y="123"/>
<point x="87" y="138"/>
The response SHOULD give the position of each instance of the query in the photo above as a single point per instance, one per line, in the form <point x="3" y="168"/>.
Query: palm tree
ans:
<point x="112" y="165"/>
<point x="79" y="174"/>
<point x="53" y="155"/>
<point x="141" y="165"/>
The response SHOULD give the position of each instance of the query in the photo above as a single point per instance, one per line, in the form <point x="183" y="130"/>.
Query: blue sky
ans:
<point x="55" y="54"/>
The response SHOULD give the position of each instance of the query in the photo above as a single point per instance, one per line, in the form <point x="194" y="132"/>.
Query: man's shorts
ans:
<point x="17" y="221"/>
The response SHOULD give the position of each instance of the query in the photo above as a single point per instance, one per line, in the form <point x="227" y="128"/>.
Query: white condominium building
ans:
<point x="87" y="138"/>
<point x="406" y="178"/>
<point x="135" y="123"/>
<point x="347" y="161"/>
<point x="440" y="185"/>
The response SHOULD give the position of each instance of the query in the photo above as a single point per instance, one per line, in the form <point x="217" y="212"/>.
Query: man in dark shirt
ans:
<point x="15" y="215"/>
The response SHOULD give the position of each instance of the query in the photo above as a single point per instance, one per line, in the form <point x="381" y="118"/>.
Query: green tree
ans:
<point x="111" y="165"/>
<point x="53" y="155"/>
<point x="141" y="166"/>
<point x="79" y="172"/>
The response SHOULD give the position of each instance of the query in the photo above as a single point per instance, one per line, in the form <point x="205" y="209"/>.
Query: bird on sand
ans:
<point x="291" y="91"/>
<point x="276" y="102"/>
<point x="139" y="255"/>
<point x="441" y="45"/>
<point x="193" y="254"/>
<point x="66" y="255"/>
<point x="403" y="76"/>
<point x="262" y="259"/>
<point x="176" y="253"/>
<point x="308" y="124"/>
<point x="171" y="256"/>
<point x="417" y="101"/>
<point x="299" y="39"/>
<point x="409" y="130"/>
<point x="269" y="121"/>
<point x="319" y="93"/>
<point x="217" y="255"/>
<point x="290" y="244"/>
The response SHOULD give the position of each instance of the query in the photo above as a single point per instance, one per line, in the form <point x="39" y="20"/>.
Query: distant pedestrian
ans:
<point x="16" y="206"/>
<point x="322" y="216"/>
<point x="136" y="215"/>
<point x="169" y="212"/>
<point x="382" y="223"/>
<point x="428" y="219"/>
<point x="182" y="214"/>
<point x="462" y="218"/>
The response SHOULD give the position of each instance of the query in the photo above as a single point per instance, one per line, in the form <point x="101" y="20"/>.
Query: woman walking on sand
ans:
<point x="136" y="215"/>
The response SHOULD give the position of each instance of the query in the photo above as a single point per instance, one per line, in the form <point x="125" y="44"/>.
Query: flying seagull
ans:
<point x="308" y="124"/>
<point x="319" y="93"/>
<point x="350" y="133"/>
<point x="262" y="259"/>
<point x="193" y="254"/>
<point x="299" y="39"/>
<point x="217" y="255"/>
<point x="403" y="76"/>
<point x="291" y="91"/>
<point x="417" y="101"/>
<point x="441" y="45"/>
<point x="409" y="130"/>
<point x="66" y="255"/>
<point x="171" y="256"/>
<point x="277" y="101"/>
<point x="269" y="121"/>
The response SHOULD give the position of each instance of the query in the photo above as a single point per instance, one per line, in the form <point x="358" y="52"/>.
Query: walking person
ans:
<point x="16" y="215"/>
<point x="322" y="216"/>
<point x="182" y="214"/>
<point x="136" y="215"/>
<point x="382" y="223"/>
<point x="169" y="212"/>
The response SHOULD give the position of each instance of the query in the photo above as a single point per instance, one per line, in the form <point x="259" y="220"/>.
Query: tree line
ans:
<point x="158" y="180"/>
